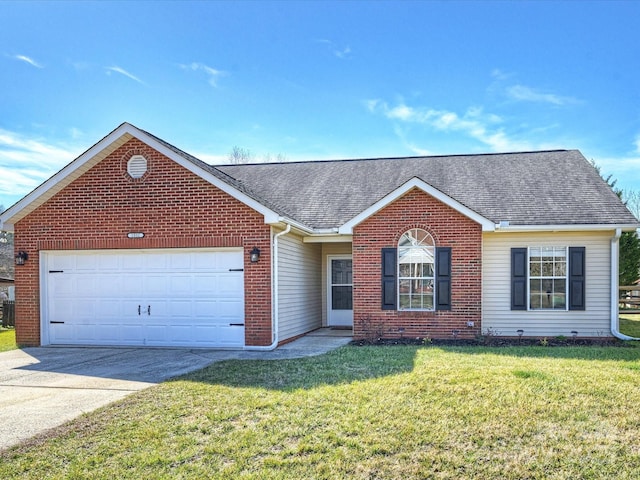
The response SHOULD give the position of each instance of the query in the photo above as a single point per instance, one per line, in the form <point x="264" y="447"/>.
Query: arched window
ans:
<point x="416" y="270"/>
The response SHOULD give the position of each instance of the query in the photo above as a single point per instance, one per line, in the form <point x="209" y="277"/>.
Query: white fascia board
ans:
<point x="565" y="228"/>
<point x="99" y="151"/>
<point x="296" y="227"/>
<point x="328" y="239"/>
<point x="415" y="182"/>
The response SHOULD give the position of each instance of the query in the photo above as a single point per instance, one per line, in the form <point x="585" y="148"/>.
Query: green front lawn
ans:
<point x="366" y="412"/>
<point x="7" y="339"/>
<point x="630" y="324"/>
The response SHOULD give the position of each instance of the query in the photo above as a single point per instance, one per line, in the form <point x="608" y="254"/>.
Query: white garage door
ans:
<point x="177" y="297"/>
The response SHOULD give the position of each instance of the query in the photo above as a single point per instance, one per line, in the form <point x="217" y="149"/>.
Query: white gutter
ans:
<point x="504" y="227"/>
<point x="275" y="310"/>
<point x="615" y="293"/>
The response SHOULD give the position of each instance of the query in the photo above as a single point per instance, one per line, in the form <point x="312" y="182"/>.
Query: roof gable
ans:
<point x="104" y="148"/>
<point x="347" y="227"/>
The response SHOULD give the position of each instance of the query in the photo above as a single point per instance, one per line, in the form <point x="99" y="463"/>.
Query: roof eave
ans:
<point x="597" y="227"/>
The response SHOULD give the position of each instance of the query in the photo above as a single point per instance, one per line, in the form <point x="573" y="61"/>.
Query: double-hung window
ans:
<point x="548" y="278"/>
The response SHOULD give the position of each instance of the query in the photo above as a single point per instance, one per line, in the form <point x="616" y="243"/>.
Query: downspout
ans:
<point x="275" y="309"/>
<point x="615" y="292"/>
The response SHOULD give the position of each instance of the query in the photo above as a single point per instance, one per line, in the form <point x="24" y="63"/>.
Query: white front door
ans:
<point x="340" y="291"/>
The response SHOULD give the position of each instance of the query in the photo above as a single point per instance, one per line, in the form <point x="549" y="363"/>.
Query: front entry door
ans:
<point x="340" y="291"/>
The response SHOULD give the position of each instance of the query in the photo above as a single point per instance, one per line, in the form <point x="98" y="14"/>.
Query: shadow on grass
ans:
<point x="360" y="363"/>
<point x="623" y="352"/>
<point x="345" y="365"/>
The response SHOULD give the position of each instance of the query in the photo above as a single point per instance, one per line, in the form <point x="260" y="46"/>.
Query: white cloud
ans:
<point x="474" y="123"/>
<point x="500" y="75"/>
<point x="343" y="53"/>
<point x="29" y="60"/>
<point x="26" y="162"/>
<point x="528" y="94"/>
<point x="371" y="104"/>
<point x="122" y="71"/>
<point x="626" y="170"/>
<point x="212" y="73"/>
<point x="339" y="52"/>
<point x="411" y="146"/>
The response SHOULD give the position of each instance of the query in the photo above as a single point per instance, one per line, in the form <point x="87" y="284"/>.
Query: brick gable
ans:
<point x="172" y="206"/>
<point x="449" y="228"/>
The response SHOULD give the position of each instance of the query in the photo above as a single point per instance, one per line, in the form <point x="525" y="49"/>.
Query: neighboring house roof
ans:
<point x="532" y="188"/>
<point x="549" y="188"/>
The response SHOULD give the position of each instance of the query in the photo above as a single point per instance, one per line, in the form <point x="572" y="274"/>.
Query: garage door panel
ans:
<point x="161" y="298"/>
<point x="229" y="309"/>
<point x="132" y="263"/>
<point x="109" y="263"/>
<point x="85" y="285"/>
<point x="156" y="286"/>
<point x="108" y="333"/>
<point x="85" y="332"/>
<point x="130" y="285"/>
<point x="180" y="262"/>
<point x="181" y="334"/>
<point x="156" y="333"/>
<point x="86" y="263"/>
<point x="181" y="285"/>
<point x="180" y="309"/>
<point x="63" y="286"/>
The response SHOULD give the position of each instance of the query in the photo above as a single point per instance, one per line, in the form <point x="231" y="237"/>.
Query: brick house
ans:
<point x="136" y="242"/>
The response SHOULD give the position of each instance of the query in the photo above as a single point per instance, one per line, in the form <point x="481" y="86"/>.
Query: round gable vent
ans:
<point x="137" y="166"/>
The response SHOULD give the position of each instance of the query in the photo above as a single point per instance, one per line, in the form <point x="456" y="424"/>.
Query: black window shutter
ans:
<point x="576" y="278"/>
<point x="389" y="258"/>
<point x="518" y="279"/>
<point x="443" y="278"/>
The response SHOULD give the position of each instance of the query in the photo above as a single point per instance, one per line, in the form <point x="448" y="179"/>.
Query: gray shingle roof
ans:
<point x="532" y="188"/>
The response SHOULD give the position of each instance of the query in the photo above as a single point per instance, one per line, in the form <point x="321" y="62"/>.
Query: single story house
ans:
<point x="136" y="242"/>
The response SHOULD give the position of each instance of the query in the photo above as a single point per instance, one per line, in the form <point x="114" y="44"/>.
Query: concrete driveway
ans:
<point x="42" y="388"/>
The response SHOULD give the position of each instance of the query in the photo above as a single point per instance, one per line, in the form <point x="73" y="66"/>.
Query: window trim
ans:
<point x="432" y="278"/>
<point x="547" y="277"/>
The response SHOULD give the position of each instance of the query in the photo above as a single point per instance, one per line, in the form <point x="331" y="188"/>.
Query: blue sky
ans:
<point x="319" y="80"/>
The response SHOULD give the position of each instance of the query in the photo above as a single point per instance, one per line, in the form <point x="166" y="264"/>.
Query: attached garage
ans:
<point x="155" y="297"/>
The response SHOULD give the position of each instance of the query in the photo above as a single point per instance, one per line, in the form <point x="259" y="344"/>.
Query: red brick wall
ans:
<point x="172" y="206"/>
<point x="448" y="228"/>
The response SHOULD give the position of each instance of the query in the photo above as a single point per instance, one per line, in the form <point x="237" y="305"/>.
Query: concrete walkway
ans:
<point x="42" y="388"/>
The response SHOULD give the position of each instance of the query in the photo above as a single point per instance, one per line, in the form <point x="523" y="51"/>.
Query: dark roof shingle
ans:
<point x="532" y="188"/>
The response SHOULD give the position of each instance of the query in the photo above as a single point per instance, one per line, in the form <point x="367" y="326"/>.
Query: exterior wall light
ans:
<point x="255" y="255"/>
<point x="21" y="257"/>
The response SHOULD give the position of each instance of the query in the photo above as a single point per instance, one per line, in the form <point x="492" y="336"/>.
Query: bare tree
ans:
<point x="632" y="200"/>
<point x="239" y="155"/>
<point x="279" y="158"/>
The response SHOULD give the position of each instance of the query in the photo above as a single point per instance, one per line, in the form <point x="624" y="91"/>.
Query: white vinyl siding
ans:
<point x="299" y="286"/>
<point x="497" y="315"/>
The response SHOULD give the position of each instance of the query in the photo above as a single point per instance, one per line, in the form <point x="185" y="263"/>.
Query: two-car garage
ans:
<point x="153" y="297"/>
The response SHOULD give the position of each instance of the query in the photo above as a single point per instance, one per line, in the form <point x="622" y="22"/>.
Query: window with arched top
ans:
<point x="416" y="270"/>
